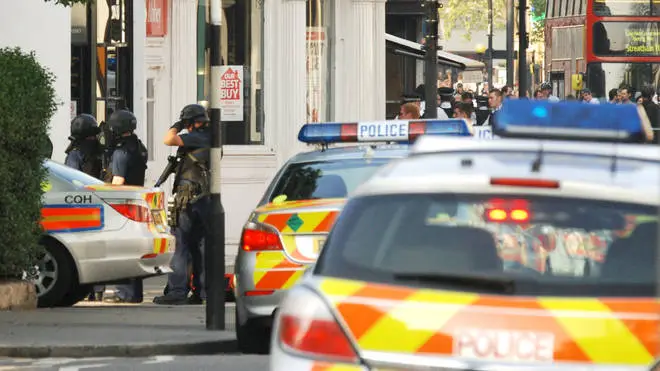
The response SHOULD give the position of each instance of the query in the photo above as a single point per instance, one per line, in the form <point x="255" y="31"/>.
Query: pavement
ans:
<point x="94" y="329"/>
<point x="229" y="362"/>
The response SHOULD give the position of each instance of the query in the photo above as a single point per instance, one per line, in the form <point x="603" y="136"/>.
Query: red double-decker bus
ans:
<point x="613" y="42"/>
<point x="622" y="44"/>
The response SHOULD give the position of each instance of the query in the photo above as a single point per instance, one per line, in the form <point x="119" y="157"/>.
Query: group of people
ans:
<point x="127" y="166"/>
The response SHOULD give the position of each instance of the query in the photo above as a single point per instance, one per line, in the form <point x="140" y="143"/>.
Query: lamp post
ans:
<point x="480" y="49"/>
<point x="431" y="68"/>
<point x="490" y="44"/>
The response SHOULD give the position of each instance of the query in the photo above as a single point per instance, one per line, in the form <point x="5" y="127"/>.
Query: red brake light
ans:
<point x="521" y="182"/>
<point x="260" y="240"/>
<point x="132" y="210"/>
<point x="502" y="215"/>
<point x="306" y="326"/>
<point x="497" y="215"/>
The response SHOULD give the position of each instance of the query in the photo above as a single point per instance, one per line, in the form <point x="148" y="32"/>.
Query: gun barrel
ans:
<point x="169" y="170"/>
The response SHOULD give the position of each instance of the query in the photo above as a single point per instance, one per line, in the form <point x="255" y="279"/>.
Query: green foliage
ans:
<point x="27" y="102"/>
<point x="70" y="2"/>
<point x="472" y="16"/>
<point x="537" y="35"/>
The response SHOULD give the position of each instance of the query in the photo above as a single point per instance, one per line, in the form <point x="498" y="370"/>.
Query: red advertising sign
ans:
<point x="231" y="97"/>
<point x="156" y="18"/>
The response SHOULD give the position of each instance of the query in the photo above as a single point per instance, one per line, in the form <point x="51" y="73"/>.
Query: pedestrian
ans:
<point x="538" y="94"/>
<point x="127" y="167"/>
<point x="465" y="111"/>
<point x="495" y="98"/>
<point x="546" y="90"/>
<point x="192" y="205"/>
<point x="651" y="109"/>
<point x="84" y="154"/>
<point x="614" y="96"/>
<point x="409" y="111"/>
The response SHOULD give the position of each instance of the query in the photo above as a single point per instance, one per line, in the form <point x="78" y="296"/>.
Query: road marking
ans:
<point x="80" y="367"/>
<point x="159" y="359"/>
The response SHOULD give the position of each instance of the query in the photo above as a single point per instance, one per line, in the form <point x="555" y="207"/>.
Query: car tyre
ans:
<point x="56" y="275"/>
<point x="252" y="337"/>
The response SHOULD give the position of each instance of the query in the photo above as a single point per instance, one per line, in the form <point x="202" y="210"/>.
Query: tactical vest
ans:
<point x="193" y="170"/>
<point x="137" y="164"/>
<point x="91" y="156"/>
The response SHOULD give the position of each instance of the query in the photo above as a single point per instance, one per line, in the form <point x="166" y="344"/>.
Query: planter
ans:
<point x="17" y="295"/>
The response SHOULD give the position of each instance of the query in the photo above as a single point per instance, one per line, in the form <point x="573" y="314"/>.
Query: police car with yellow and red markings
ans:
<point x="412" y="277"/>
<point x="284" y="234"/>
<point x="97" y="233"/>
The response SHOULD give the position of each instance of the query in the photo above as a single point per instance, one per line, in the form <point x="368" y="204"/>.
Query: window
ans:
<point x="150" y="119"/>
<point x="622" y="8"/>
<point x="629" y="39"/>
<point x="318" y="33"/>
<point x="73" y="176"/>
<point x="603" y="77"/>
<point x="327" y="179"/>
<point x="563" y="246"/>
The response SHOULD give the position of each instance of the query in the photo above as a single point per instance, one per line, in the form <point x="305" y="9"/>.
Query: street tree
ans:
<point x="537" y="34"/>
<point x="472" y="16"/>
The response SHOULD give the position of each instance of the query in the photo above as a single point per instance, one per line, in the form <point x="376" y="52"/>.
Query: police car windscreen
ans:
<point x="536" y="245"/>
<point x="324" y="179"/>
<point x="71" y="175"/>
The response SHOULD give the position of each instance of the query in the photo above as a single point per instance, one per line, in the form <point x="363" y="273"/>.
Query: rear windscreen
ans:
<point x="542" y="245"/>
<point x="71" y="175"/>
<point x="324" y="179"/>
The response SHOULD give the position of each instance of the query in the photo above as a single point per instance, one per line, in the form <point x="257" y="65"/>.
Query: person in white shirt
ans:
<point x="587" y="97"/>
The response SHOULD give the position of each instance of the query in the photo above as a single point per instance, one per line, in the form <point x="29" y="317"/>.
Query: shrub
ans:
<point x="27" y="102"/>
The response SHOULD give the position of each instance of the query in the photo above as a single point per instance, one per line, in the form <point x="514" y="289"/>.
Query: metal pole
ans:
<point x="431" y="68"/>
<point x="214" y="247"/>
<point x="522" y="48"/>
<point x="510" y="14"/>
<point x="490" y="44"/>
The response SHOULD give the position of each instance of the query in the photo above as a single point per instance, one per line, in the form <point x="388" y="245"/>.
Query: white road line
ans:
<point x="159" y="359"/>
<point x="80" y="367"/>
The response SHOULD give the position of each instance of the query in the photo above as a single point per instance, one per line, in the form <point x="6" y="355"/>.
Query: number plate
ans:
<point x="318" y="245"/>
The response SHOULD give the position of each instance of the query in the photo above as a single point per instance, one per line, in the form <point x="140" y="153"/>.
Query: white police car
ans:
<point x="403" y="282"/>
<point x="284" y="234"/>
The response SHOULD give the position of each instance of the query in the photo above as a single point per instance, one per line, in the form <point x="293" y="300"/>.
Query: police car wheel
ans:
<point x="251" y="337"/>
<point x="55" y="277"/>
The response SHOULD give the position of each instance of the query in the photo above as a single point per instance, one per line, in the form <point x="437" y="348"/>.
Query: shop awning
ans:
<point x="398" y="45"/>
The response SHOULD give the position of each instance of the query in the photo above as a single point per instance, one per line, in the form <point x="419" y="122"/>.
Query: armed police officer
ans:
<point x="127" y="167"/>
<point x="192" y="204"/>
<point x="84" y="154"/>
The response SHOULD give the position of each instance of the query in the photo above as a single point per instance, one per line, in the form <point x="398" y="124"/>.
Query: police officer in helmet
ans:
<point x="127" y="167"/>
<point x="84" y="154"/>
<point x="192" y="204"/>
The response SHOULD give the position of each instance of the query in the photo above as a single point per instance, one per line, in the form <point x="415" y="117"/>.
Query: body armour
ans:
<point x="137" y="166"/>
<point x="90" y="151"/>
<point x="194" y="170"/>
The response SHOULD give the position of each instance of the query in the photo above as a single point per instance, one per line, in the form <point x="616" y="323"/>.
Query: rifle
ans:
<point x="106" y="138"/>
<point x="172" y="163"/>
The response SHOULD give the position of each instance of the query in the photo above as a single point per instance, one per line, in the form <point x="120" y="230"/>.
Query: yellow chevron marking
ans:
<point x="605" y="339"/>
<point x="262" y="217"/>
<point x="289" y="242"/>
<point x="311" y="221"/>
<point x="413" y="322"/>
<point x="293" y="279"/>
<point x="338" y="290"/>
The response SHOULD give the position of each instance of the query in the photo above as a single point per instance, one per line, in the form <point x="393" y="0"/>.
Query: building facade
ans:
<point x="287" y="62"/>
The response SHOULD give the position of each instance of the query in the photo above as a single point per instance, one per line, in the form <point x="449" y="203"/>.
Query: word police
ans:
<point x="78" y="199"/>
<point x="382" y="131"/>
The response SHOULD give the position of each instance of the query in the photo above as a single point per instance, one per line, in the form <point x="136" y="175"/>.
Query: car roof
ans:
<point x="584" y="170"/>
<point x="437" y="144"/>
<point x="353" y="152"/>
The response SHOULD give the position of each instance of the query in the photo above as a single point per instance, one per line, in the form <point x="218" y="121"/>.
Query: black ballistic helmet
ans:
<point x="122" y="121"/>
<point x="194" y="113"/>
<point x="83" y="126"/>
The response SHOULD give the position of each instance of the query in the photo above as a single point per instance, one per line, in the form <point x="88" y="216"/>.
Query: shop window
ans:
<point x="318" y="33"/>
<point x="150" y="119"/>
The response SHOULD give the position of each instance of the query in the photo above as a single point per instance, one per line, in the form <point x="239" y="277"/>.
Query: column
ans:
<point x="360" y="49"/>
<point x="285" y="76"/>
<point x="183" y="57"/>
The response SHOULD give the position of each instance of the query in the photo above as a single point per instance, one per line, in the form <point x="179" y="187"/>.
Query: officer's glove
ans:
<point x="178" y="126"/>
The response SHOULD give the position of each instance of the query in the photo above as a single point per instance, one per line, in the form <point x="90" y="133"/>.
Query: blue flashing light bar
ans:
<point x="569" y="121"/>
<point x="400" y="131"/>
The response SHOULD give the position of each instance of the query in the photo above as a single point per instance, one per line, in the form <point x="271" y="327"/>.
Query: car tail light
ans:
<point x="259" y="238"/>
<point x="521" y="182"/>
<point x="135" y="210"/>
<point x="306" y="326"/>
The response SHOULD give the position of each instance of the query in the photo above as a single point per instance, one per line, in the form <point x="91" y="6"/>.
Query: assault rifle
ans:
<point x="172" y="163"/>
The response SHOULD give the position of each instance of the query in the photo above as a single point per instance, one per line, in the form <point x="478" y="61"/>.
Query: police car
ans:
<point x="411" y="276"/>
<point x="284" y="234"/>
<point x="97" y="233"/>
